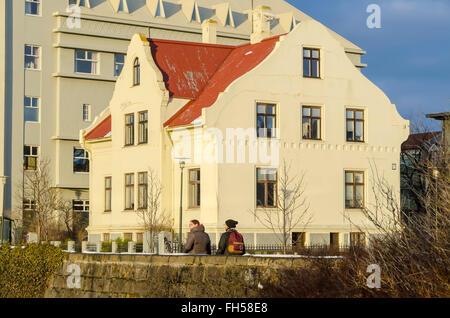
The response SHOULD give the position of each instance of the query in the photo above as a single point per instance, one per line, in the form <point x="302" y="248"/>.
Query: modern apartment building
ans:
<point x="59" y="65"/>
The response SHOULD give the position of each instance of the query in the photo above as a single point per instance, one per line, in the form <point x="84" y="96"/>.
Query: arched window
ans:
<point x="137" y="72"/>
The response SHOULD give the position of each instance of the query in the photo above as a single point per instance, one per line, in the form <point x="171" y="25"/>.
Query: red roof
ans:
<point x="199" y="72"/>
<point x="102" y="130"/>
<point x="186" y="66"/>
<point x="240" y="61"/>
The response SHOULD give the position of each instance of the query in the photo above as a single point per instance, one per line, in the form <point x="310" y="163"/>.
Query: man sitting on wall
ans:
<point x="231" y="242"/>
<point x="198" y="241"/>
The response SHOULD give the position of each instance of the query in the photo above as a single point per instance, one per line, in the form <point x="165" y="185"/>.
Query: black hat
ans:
<point x="231" y="223"/>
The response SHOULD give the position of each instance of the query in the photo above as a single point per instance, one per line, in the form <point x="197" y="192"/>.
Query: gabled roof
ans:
<point x="102" y="130"/>
<point x="199" y="72"/>
<point x="239" y="61"/>
<point x="187" y="67"/>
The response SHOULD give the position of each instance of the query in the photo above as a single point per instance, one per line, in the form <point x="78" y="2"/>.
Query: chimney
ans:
<point x="209" y="31"/>
<point x="261" y="18"/>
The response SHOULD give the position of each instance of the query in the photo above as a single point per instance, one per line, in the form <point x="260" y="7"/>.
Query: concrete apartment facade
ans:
<point x="46" y="100"/>
<point x="189" y="118"/>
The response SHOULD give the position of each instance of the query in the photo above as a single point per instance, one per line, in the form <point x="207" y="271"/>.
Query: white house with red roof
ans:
<point x="236" y="115"/>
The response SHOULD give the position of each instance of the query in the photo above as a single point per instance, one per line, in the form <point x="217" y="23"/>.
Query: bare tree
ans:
<point x="291" y="206"/>
<point x="153" y="219"/>
<point x="37" y="189"/>
<point x="412" y="247"/>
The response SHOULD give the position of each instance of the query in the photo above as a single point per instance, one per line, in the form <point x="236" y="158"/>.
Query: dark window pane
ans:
<point x="315" y="68"/>
<point x="315" y="129"/>
<point x="198" y="194"/>
<point x="271" y="194"/>
<point x="260" y="194"/>
<point x="306" y="68"/>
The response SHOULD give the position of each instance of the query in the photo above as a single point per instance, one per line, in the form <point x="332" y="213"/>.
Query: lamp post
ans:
<point x="180" y="238"/>
<point x="2" y="193"/>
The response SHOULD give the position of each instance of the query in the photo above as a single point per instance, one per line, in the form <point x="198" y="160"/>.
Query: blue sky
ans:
<point x="408" y="58"/>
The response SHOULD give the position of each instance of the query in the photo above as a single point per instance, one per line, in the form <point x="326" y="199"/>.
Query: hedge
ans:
<point x="25" y="271"/>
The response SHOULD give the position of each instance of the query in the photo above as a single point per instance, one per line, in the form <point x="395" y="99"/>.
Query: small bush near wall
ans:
<point x="25" y="271"/>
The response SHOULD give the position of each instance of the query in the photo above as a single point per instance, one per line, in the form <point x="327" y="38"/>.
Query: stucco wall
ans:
<point x="169" y="276"/>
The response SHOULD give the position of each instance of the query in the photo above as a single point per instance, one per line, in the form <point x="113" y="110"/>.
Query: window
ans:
<point x="86" y="112"/>
<point x="311" y="63"/>
<point x="128" y="236"/>
<point x="80" y="206"/>
<point x="129" y="191"/>
<point x="298" y="239"/>
<point x="108" y="193"/>
<point x="32" y="57"/>
<point x="266" y="187"/>
<point x="136" y="72"/>
<point x="142" y="190"/>
<point x="30" y="157"/>
<point x="31" y="110"/>
<point x="80" y="160"/>
<point x="106" y="237"/>
<point x="194" y="188"/>
<point x="357" y="239"/>
<point x="143" y="127"/>
<point x="139" y="237"/>
<point x="334" y="240"/>
<point x="354" y="189"/>
<point x="129" y="130"/>
<point x="266" y="117"/>
<point x="33" y="7"/>
<point x="85" y="62"/>
<point x="119" y="61"/>
<point x="311" y="123"/>
<point x="72" y="2"/>
<point x="355" y="125"/>
<point x="29" y="205"/>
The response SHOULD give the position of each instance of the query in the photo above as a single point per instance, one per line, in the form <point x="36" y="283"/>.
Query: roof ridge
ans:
<point x="225" y="46"/>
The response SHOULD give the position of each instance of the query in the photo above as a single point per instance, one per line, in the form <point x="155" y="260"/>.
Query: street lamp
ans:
<point x="180" y="238"/>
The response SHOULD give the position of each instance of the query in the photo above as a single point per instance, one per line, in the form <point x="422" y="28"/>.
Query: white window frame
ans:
<point x="39" y="4"/>
<point x="36" y="57"/>
<point x="86" y="115"/>
<point x="32" y="107"/>
<point x="85" y="157"/>
<point x="84" y="205"/>
<point x="29" y="205"/>
<point x="31" y="155"/>
<point x="94" y="61"/>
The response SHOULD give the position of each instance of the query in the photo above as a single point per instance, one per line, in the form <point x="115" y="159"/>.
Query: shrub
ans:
<point x="25" y="271"/>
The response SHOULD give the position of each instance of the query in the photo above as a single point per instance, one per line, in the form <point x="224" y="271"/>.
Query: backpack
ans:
<point x="235" y="243"/>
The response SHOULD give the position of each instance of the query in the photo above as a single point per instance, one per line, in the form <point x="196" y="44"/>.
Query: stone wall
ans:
<point x="115" y="275"/>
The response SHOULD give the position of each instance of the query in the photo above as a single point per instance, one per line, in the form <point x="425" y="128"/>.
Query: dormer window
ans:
<point x="136" y="72"/>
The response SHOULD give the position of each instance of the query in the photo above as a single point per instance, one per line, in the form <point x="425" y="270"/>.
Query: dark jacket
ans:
<point x="198" y="241"/>
<point x="223" y="243"/>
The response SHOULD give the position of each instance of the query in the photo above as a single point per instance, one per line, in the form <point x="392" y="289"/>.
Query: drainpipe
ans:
<point x="2" y="203"/>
